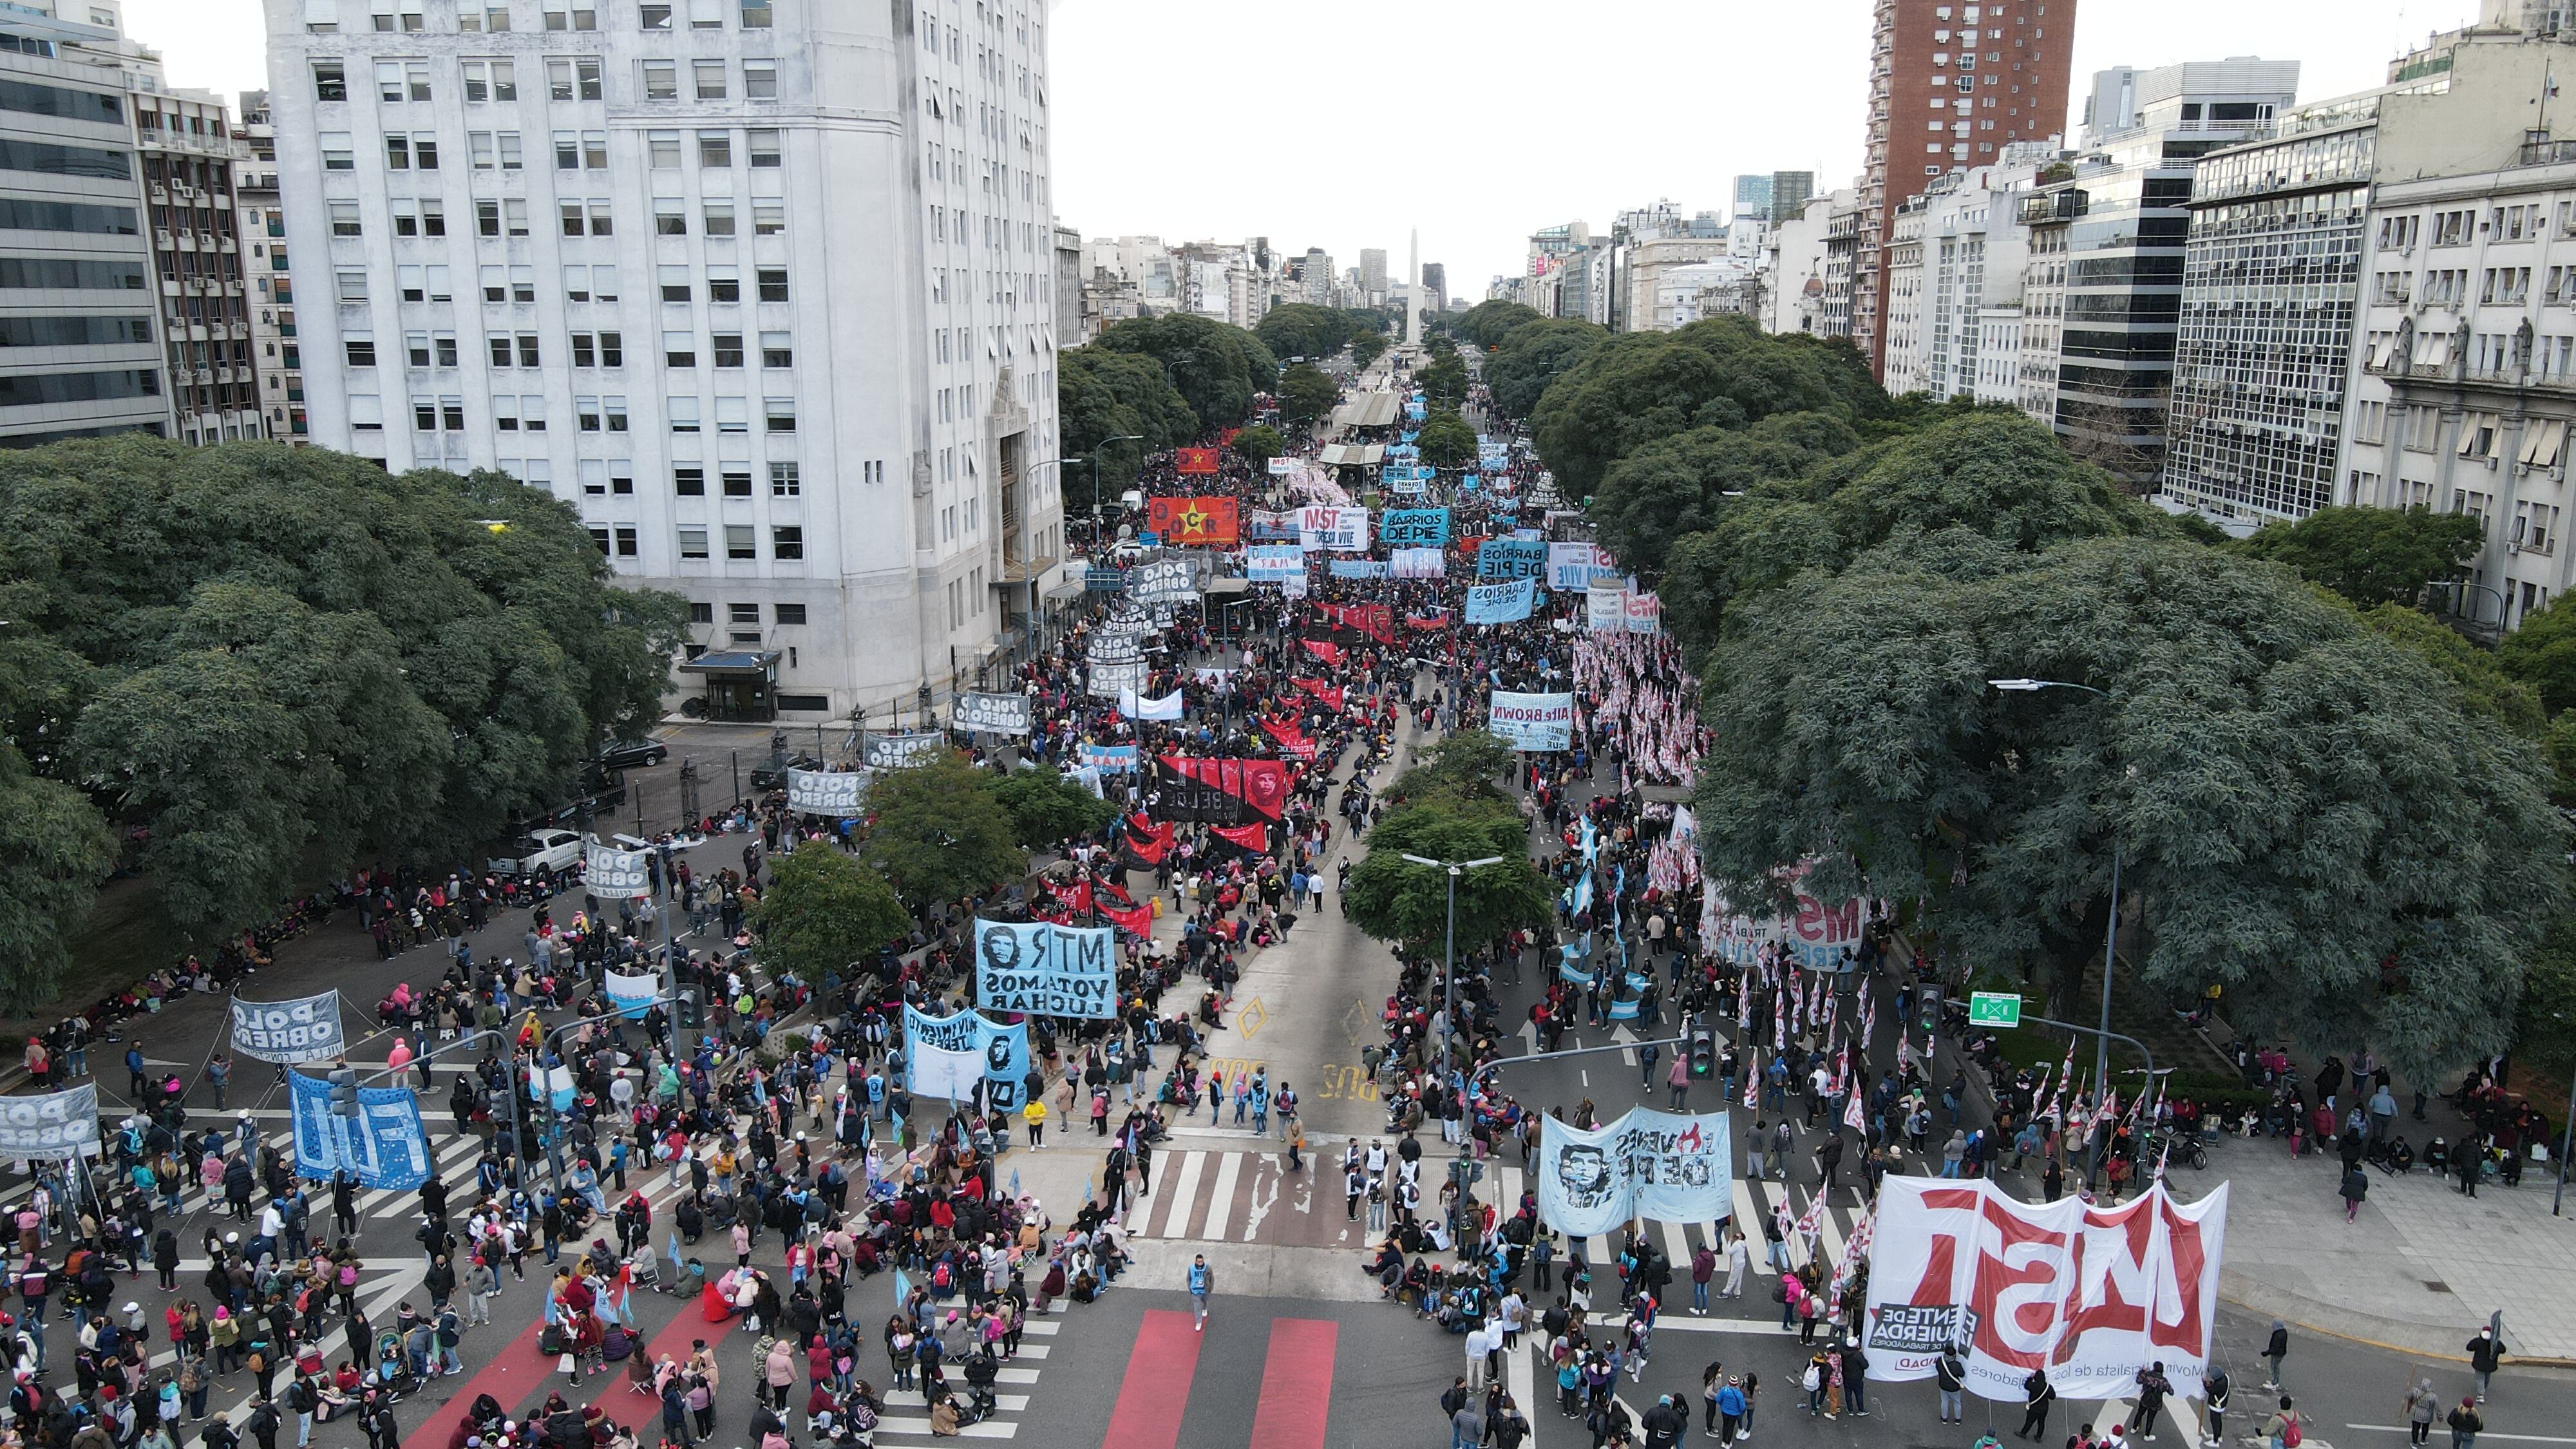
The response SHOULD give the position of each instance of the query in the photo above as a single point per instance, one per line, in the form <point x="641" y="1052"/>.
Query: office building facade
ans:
<point x="763" y="288"/>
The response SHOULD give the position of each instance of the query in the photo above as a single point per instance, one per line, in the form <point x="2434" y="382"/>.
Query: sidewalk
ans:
<point x="2418" y="1271"/>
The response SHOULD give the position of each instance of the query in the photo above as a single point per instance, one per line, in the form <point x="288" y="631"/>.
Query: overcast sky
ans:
<point x="1342" y="123"/>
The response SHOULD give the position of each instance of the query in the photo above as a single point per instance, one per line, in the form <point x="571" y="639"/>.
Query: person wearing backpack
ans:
<point x="2284" y="1430"/>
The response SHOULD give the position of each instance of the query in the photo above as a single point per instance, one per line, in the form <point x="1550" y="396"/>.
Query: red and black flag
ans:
<point x="1221" y="792"/>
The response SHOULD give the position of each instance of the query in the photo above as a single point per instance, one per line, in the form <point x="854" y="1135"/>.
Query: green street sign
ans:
<point x="1994" y="1008"/>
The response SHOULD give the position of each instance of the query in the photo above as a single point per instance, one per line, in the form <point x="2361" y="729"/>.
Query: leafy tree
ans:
<point x="1676" y="486"/>
<point x="1639" y="386"/>
<point x="1102" y="394"/>
<point x="2371" y="555"/>
<point x="1259" y="444"/>
<point x="1447" y="441"/>
<point x="1993" y="472"/>
<point x="2310" y="814"/>
<point x="279" y="661"/>
<point x="2542" y="654"/>
<point x="1366" y="347"/>
<point x="940" y="834"/>
<point x="1462" y="767"/>
<point x="1443" y="380"/>
<point x="2545" y="1021"/>
<point x="1047" y="809"/>
<point x="1486" y="323"/>
<point x="1395" y="900"/>
<point x="1306" y="394"/>
<point x="1532" y="356"/>
<point x="2481" y="679"/>
<point x="822" y="912"/>
<point x="1217" y="368"/>
<point x="1302" y="329"/>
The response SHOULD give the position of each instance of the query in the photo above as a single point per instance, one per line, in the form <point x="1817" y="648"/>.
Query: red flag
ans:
<point x="1330" y="696"/>
<point x="1137" y="920"/>
<point x="1079" y="898"/>
<point x="1194" y="460"/>
<point x="1329" y="653"/>
<point x="1254" y="838"/>
<point x="1290" y="738"/>
<point x="1435" y="619"/>
<point x="1116" y="892"/>
<point x="1195" y="522"/>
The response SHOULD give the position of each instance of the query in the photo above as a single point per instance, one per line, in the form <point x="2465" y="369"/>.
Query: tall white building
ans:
<point x="763" y="287"/>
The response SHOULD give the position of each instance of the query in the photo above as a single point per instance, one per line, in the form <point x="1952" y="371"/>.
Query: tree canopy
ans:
<point x="1046" y="809"/>
<point x="1217" y="368"/>
<point x="2542" y="654"/>
<point x="940" y="832"/>
<point x="1486" y="323"/>
<point x="1446" y="440"/>
<point x="1993" y="472"/>
<point x="1678" y="485"/>
<point x="1302" y="329"/>
<point x="1637" y="387"/>
<point x="1533" y="355"/>
<point x="1104" y="394"/>
<point x="1444" y="380"/>
<point x="1366" y="347"/>
<point x="1395" y="900"/>
<point x="1259" y="444"/>
<point x="276" y="662"/>
<point x="2310" y="814"/>
<point x="822" y="912"/>
<point x="2371" y="555"/>
<point x="1306" y="394"/>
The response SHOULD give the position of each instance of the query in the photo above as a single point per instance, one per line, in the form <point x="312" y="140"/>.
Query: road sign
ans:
<point x="1994" y="1008"/>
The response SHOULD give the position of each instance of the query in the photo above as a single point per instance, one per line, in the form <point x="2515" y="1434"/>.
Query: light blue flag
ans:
<point x="902" y="1289"/>
<point x="1015" y="1182"/>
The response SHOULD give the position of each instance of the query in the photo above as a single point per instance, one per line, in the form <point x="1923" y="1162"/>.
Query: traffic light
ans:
<point x="692" y="1010"/>
<point x="344" y="1092"/>
<point x="1703" y="1056"/>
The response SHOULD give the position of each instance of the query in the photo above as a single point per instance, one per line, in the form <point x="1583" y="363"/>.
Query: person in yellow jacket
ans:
<point x="1035" y="1114"/>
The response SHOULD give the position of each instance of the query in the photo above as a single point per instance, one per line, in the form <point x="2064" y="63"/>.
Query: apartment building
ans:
<point x="763" y="288"/>
<point x="1950" y="86"/>
<point x="276" y="350"/>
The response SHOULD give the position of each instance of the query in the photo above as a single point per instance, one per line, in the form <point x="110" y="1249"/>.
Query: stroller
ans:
<point x="393" y="1372"/>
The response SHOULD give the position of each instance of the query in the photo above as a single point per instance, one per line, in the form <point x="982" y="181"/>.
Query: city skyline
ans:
<point x="1540" y="169"/>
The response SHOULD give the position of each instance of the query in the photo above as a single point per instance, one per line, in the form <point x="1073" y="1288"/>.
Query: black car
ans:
<point x="768" y="778"/>
<point x="632" y="754"/>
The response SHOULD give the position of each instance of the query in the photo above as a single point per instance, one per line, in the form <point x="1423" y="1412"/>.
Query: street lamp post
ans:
<point x="1095" y="478"/>
<point x="2111" y="932"/>
<point x="1449" y="969"/>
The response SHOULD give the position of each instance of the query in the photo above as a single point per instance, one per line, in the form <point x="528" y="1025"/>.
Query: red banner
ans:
<point x="1330" y="696"/>
<point x="1261" y="784"/>
<point x="1136" y="920"/>
<point x="1146" y="841"/>
<point x="1250" y="837"/>
<point x="1194" y="460"/>
<point x="1329" y="653"/>
<point x="1195" y="522"/>
<point x="1225" y="437"/>
<point x="1436" y="619"/>
<point x="1377" y="621"/>
<point x="1290" y="738"/>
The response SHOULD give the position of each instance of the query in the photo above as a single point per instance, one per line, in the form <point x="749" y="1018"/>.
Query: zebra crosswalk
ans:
<point x="907" y="1413"/>
<point x="1250" y="1195"/>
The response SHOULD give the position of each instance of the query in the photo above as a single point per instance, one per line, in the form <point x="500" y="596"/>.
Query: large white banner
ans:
<point x="1162" y="581"/>
<point x="57" y="1124"/>
<point x="996" y="714"/>
<point x="1671" y="1167"/>
<point x="1146" y="707"/>
<point x="1046" y="969"/>
<point x="1532" y="721"/>
<point x="1575" y="567"/>
<point x="826" y="792"/>
<point x="306" y="1029"/>
<point x="616" y="875"/>
<point x="1605" y="609"/>
<point x="2092" y="1294"/>
<point x="1818" y="936"/>
<point x="900" y="751"/>
<point x="1418" y="563"/>
<point x="1333" y="530"/>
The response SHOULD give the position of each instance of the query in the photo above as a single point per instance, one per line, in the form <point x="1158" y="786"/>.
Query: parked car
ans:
<point x="539" y="851"/>
<point x="768" y="778"/>
<point x="632" y="754"/>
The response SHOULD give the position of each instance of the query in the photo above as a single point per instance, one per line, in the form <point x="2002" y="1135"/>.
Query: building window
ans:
<point x="661" y="80"/>
<point x="679" y="349"/>
<point x="708" y="79"/>
<point x="777" y="349"/>
<point x="737" y="481"/>
<point x="689" y="480"/>
<point x="741" y="542"/>
<point x="626" y="540"/>
<point x="781" y="414"/>
<point x="790" y="613"/>
<point x="760" y="80"/>
<point x="783" y="481"/>
<point x="787" y="542"/>
<point x="693" y="542"/>
<point x="762" y="143"/>
<point x="715" y="150"/>
<point x="727" y="347"/>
